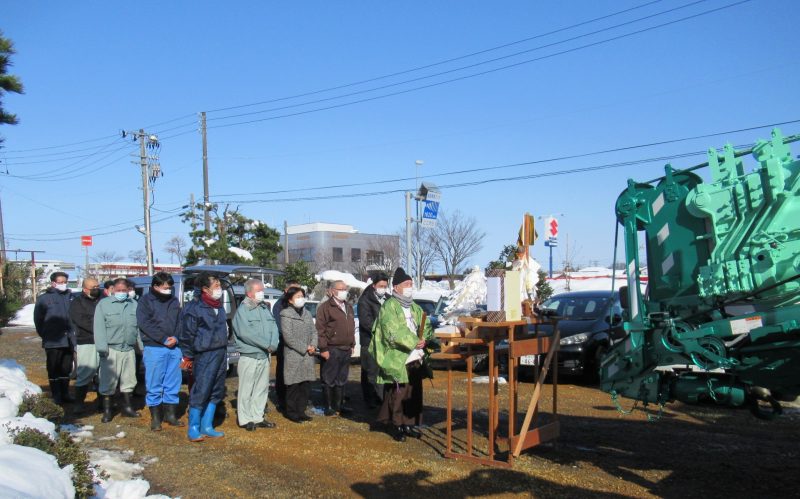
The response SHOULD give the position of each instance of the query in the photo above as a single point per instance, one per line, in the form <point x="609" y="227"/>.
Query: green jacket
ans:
<point x="255" y="330"/>
<point x="392" y="340"/>
<point x="115" y="325"/>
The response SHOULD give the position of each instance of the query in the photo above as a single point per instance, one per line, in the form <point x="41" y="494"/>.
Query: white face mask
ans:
<point x="165" y="292"/>
<point x="216" y="294"/>
<point x="61" y="287"/>
<point x="299" y="302"/>
<point x="258" y="296"/>
<point x="131" y="294"/>
<point x="380" y="291"/>
<point x="122" y="295"/>
<point x="341" y="295"/>
<point x="407" y="292"/>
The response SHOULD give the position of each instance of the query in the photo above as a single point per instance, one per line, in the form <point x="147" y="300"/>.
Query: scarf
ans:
<point x="210" y="301"/>
<point x="405" y="302"/>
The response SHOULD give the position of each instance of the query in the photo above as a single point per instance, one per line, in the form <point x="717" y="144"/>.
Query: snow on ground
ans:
<point x="241" y="253"/>
<point x="28" y="472"/>
<point x="335" y="275"/>
<point x="23" y="317"/>
<point x="591" y="279"/>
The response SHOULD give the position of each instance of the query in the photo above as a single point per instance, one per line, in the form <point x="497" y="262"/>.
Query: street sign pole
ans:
<point x="86" y="241"/>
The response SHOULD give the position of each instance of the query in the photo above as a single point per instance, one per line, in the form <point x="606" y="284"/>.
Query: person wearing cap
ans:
<point x="369" y="304"/>
<point x="399" y="352"/>
<point x="336" y="328"/>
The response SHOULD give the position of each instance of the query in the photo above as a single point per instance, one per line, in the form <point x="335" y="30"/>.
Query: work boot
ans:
<point x="65" y="396"/>
<point x="194" y="425"/>
<point x="412" y="431"/>
<point x="108" y="415"/>
<point x="207" y="422"/>
<point x="127" y="407"/>
<point x="80" y="400"/>
<point x="329" y="400"/>
<point x="170" y="416"/>
<point x="55" y="391"/>
<point x="155" y="417"/>
<point x="340" y="401"/>
<point x="398" y="434"/>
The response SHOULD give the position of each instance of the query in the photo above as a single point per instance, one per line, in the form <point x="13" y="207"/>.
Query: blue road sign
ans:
<point x="430" y="213"/>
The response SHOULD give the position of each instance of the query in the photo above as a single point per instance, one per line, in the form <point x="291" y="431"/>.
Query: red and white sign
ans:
<point x="551" y="228"/>
<point x="86" y="240"/>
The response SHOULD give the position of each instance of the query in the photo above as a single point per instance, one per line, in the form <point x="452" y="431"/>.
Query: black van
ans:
<point x="590" y="322"/>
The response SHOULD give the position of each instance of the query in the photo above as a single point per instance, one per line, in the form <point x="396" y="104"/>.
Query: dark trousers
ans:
<point x="59" y="363"/>
<point x="280" y="384"/>
<point x="402" y="402"/>
<point x="369" y="374"/>
<point x="297" y="399"/>
<point x="209" y="378"/>
<point x="334" y="371"/>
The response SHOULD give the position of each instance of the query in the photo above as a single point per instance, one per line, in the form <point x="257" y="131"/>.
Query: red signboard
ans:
<point x="86" y="240"/>
<point x="551" y="226"/>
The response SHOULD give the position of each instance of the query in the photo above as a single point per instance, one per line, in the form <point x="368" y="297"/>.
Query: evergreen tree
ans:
<point x="8" y="82"/>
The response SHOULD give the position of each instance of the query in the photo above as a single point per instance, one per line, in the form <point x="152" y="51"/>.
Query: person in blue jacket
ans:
<point x="157" y="316"/>
<point x="203" y="340"/>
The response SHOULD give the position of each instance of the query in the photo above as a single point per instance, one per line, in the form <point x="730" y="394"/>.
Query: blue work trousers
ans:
<point x="162" y="375"/>
<point x="209" y="378"/>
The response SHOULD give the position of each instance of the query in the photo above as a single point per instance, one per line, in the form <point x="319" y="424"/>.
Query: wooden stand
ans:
<point x="483" y="337"/>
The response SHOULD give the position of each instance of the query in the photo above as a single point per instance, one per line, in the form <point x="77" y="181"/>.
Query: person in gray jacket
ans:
<point x="299" y="347"/>
<point x="116" y="333"/>
<point x="256" y="336"/>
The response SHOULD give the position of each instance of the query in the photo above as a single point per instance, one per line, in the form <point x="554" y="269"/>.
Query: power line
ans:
<point x="439" y="63"/>
<point x="93" y="234"/>
<point x="473" y="75"/>
<point x="527" y="163"/>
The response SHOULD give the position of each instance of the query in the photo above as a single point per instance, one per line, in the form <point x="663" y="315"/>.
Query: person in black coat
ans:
<point x="81" y="313"/>
<point x="368" y="307"/>
<point x="51" y="318"/>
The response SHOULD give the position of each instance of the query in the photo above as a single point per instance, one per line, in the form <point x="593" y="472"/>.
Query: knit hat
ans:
<point x="400" y="276"/>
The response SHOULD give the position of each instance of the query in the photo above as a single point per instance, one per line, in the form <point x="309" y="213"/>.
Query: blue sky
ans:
<point x="93" y="68"/>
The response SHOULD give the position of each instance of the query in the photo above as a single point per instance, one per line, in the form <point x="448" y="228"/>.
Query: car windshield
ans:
<point x="427" y="306"/>
<point x="578" y="307"/>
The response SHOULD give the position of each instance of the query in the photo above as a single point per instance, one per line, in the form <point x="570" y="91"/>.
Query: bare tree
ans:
<point x="427" y="255"/>
<point x="138" y="256"/>
<point x="106" y="256"/>
<point x="455" y="239"/>
<point x="176" y="247"/>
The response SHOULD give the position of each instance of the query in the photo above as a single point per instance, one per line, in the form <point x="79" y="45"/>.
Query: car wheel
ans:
<point x="593" y="371"/>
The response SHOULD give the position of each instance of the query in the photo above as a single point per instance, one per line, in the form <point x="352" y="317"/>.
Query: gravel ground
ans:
<point x="693" y="451"/>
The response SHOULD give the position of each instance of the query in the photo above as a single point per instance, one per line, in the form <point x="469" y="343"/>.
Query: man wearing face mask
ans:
<point x="256" y="339"/>
<point x="336" y="329"/>
<point x="204" y="341"/>
<point x="51" y="318"/>
<point x="395" y="337"/>
<point x="81" y="313"/>
<point x="116" y="334"/>
<point x="157" y="315"/>
<point x="369" y="305"/>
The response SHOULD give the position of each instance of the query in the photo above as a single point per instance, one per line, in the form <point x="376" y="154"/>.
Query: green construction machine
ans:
<point x="719" y="320"/>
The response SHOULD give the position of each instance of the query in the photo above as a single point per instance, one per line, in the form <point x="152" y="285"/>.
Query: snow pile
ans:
<point x="469" y="293"/>
<point x="29" y="472"/>
<point x="591" y="279"/>
<point x="10" y="425"/>
<point x="432" y="290"/>
<point x="79" y="433"/>
<point x="241" y="253"/>
<point x="335" y="275"/>
<point x="23" y="317"/>
<point x="123" y="481"/>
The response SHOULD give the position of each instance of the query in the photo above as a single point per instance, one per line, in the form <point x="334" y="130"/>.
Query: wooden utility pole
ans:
<point x="2" y="254"/>
<point x="206" y="215"/>
<point x="286" y="243"/>
<point x="146" y="193"/>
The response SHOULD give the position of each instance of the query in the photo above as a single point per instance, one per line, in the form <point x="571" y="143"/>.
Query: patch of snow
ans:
<point x="484" y="380"/>
<point x="209" y="242"/>
<point x="335" y="275"/>
<point x="241" y="253"/>
<point x="468" y="294"/>
<point x="116" y="463"/>
<point x="23" y="317"/>
<point x="79" y="433"/>
<point x="29" y="472"/>
<point x="114" y="437"/>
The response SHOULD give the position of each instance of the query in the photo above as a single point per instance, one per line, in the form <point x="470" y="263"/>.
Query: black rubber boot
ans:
<point x="65" y="396"/>
<point x="80" y="400"/>
<point x="412" y="431"/>
<point x="170" y="416"/>
<point x="55" y="391"/>
<point x="327" y="392"/>
<point x="398" y="434"/>
<point x="108" y="415"/>
<point x="155" y="417"/>
<point x="127" y="407"/>
<point x="341" y="408"/>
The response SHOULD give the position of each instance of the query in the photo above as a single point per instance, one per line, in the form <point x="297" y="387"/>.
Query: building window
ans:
<point x="338" y="255"/>
<point x="375" y="257"/>
<point x="355" y="255"/>
<point x="304" y="254"/>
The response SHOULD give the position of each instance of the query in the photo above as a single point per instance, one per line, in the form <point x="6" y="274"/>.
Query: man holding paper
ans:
<point x="399" y="339"/>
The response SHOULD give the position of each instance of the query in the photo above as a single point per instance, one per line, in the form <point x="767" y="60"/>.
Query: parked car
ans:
<point x="433" y="309"/>
<point x="590" y="322"/>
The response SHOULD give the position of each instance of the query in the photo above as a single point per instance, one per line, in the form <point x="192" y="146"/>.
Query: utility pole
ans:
<point x="150" y="171"/>
<point x="408" y="230"/>
<point x="2" y="254"/>
<point x="206" y="214"/>
<point x="286" y="243"/>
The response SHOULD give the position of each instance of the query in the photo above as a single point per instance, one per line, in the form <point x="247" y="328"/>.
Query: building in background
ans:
<point x="110" y="270"/>
<point x="327" y="246"/>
